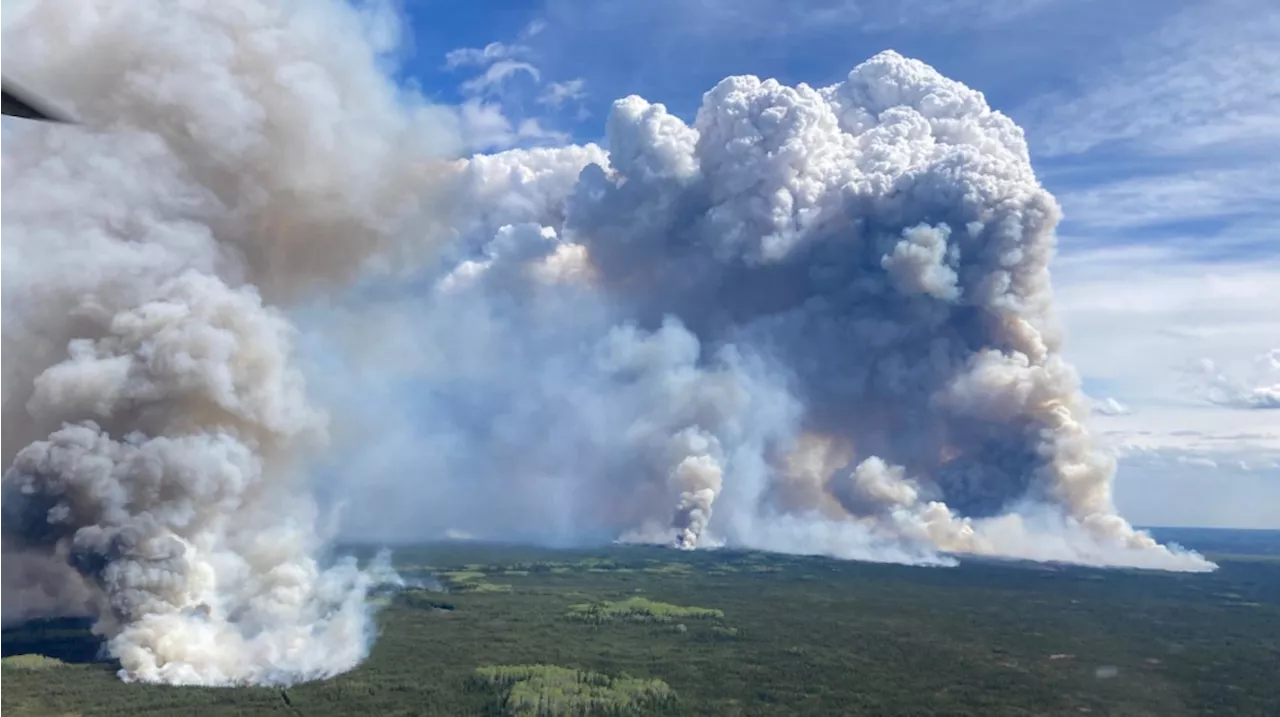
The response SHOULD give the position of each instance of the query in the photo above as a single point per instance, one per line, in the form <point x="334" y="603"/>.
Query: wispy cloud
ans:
<point x="492" y="116"/>
<point x="485" y="126"/>
<point x="1136" y="317"/>
<point x="1256" y="389"/>
<point x="498" y="73"/>
<point x="1173" y="197"/>
<point x="751" y="17"/>
<point x="1208" y="79"/>
<point x="482" y="56"/>
<point x="880" y="15"/>
<point x="533" y="29"/>
<point x="557" y="93"/>
<point x="1111" y="407"/>
<point x="1170" y="160"/>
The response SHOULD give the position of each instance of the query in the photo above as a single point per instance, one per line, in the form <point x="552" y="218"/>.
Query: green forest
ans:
<point x="509" y="630"/>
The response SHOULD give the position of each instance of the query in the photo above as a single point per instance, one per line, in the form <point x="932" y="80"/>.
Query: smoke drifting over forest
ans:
<point x="813" y="320"/>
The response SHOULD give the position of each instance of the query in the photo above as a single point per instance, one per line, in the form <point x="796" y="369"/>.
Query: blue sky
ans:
<point x="1156" y="123"/>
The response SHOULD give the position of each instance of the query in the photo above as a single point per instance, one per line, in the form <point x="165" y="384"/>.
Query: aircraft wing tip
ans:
<point x="16" y="104"/>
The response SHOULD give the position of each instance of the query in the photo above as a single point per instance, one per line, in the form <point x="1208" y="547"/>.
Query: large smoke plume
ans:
<point x="814" y="320"/>
<point x="234" y="157"/>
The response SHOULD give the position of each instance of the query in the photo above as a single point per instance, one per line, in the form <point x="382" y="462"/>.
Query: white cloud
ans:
<point x="485" y="127"/>
<point x="557" y="93"/>
<point x="472" y="56"/>
<point x="533" y="29"/>
<point x="1135" y="319"/>
<point x="498" y="73"/>
<point x="1195" y="435"/>
<point x="1137" y="316"/>
<point x="531" y="129"/>
<point x="1111" y="407"/>
<point x="487" y="119"/>
<point x="1259" y="389"/>
<point x="1163" y="199"/>
<point x="1189" y="116"/>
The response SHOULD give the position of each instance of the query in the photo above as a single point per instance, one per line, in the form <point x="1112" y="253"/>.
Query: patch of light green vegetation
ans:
<point x="462" y="576"/>
<point x="528" y="567"/>
<point x="724" y="631"/>
<point x="31" y="662"/>
<point x="483" y="587"/>
<point x="669" y="568"/>
<point x="472" y="581"/>
<point x="551" y="691"/>
<point x="639" y="609"/>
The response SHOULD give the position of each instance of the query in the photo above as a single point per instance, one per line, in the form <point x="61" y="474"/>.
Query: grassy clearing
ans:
<point x="551" y="691"/>
<point x="658" y="568"/>
<point x="31" y="662"/>
<point x="639" y="609"/>
<point x="472" y="581"/>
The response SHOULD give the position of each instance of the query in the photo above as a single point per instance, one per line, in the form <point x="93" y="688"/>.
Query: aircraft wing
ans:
<point x="16" y="101"/>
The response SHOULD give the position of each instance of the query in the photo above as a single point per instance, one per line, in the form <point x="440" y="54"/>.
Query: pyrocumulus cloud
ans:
<point x="815" y="319"/>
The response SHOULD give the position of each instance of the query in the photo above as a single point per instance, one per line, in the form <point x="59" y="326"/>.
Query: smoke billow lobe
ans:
<point x="234" y="157"/>
<point x="814" y="319"/>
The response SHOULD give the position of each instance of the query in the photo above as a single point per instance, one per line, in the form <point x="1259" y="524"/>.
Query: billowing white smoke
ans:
<point x="815" y="320"/>
<point x="233" y="155"/>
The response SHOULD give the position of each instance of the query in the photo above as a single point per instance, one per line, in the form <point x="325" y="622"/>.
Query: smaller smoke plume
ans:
<point x="698" y="478"/>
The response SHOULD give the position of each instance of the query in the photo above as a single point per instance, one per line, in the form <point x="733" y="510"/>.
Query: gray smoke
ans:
<point x="814" y="320"/>
<point x="43" y="585"/>
<point x="234" y="157"/>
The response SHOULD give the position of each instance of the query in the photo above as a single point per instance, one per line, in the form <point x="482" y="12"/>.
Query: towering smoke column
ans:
<point x="816" y="320"/>
<point x="234" y="155"/>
